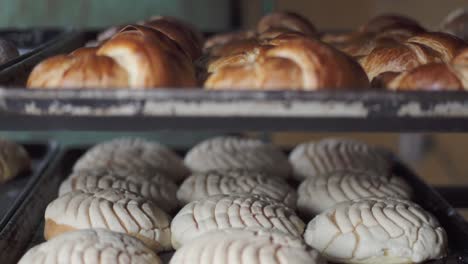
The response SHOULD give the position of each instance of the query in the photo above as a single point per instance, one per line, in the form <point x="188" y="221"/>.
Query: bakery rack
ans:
<point x="224" y="111"/>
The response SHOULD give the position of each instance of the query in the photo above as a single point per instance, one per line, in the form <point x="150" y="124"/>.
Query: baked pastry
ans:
<point x="113" y="209"/>
<point x="228" y="43"/>
<point x="233" y="211"/>
<point x="456" y="23"/>
<point x="418" y="50"/>
<point x="377" y="230"/>
<point x="230" y="153"/>
<point x="238" y="246"/>
<point x="137" y="57"/>
<point x="317" y="194"/>
<point x="385" y="22"/>
<point x="288" y="22"/>
<point x="202" y="185"/>
<point x="291" y="61"/>
<point x="157" y="188"/>
<point x="434" y="76"/>
<point x="134" y="155"/>
<point x="379" y="31"/>
<point x="184" y="34"/>
<point x="313" y="159"/>
<point x="92" y="246"/>
<point x="8" y="51"/>
<point x="14" y="159"/>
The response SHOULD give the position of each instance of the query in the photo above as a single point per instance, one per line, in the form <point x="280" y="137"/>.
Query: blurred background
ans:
<point x="439" y="158"/>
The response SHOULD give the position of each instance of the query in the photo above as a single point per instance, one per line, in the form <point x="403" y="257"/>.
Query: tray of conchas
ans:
<point x="239" y="200"/>
<point x="390" y="67"/>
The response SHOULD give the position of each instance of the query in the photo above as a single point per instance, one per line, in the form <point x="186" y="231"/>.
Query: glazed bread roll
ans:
<point x="286" y="21"/>
<point x="202" y="185"/>
<point x="230" y="153"/>
<point x="8" y="51"/>
<point x="418" y="50"/>
<point x="377" y="230"/>
<point x="313" y="159"/>
<point x="289" y="61"/>
<point x="238" y="246"/>
<point x="14" y="159"/>
<point x="113" y="209"/>
<point x="184" y="34"/>
<point x="317" y="194"/>
<point x="228" y="43"/>
<point x="378" y="31"/>
<point x="134" y="155"/>
<point x="157" y="188"/>
<point x="136" y="57"/>
<point x="92" y="246"/>
<point x="434" y="76"/>
<point x="233" y="211"/>
<point x="385" y="22"/>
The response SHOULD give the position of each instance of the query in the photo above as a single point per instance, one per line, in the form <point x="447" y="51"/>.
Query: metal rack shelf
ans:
<point x="197" y="109"/>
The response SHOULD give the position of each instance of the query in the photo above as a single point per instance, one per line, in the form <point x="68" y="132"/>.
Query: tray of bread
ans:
<point x="390" y="69"/>
<point x="239" y="200"/>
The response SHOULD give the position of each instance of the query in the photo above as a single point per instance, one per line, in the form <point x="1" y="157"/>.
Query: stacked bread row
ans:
<point x="284" y="51"/>
<point x="399" y="54"/>
<point x="232" y="202"/>
<point x="155" y="53"/>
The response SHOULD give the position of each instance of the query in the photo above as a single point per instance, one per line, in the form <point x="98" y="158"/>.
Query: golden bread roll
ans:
<point x="91" y="246"/>
<point x="136" y="57"/>
<point x="418" y="50"/>
<point x="14" y="159"/>
<point x="287" y="21"/>
<point x="112" y="209"/>
<point x="223" y="39"/>
<point x="180" y="32"/>
<point x="292" y="62"/>
<point x="385" y="22"/>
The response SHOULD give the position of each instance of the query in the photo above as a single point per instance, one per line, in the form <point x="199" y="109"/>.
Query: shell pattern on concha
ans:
<point x="134" y="154"/>
<point x="202" y="185"/>
<point x="113" y="209"/>
<point x="227" y="153"/>
<point x="238" y="246"/>
<point x="316" y="194"/>
<point x="328" y="155"/>
<point x="377" y="230"/>
<point x="13" y="159"/>
<point x="96" y="246"/>
<point x="158" y="188"/>
<point x="233" y="211"/>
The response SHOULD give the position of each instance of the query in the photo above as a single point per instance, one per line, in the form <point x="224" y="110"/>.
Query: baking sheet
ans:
<point x="426" y="196"/>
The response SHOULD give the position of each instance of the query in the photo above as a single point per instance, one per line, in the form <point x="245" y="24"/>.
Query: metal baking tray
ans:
<point x="197" y="109"/>
<point x="17" y="205"/>
<point x="426" y="196"/>
<point x="34" y="46"/>
<point x="179" y="108"/>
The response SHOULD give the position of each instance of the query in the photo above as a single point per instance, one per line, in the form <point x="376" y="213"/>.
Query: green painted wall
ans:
<point x="210" y="15"/>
